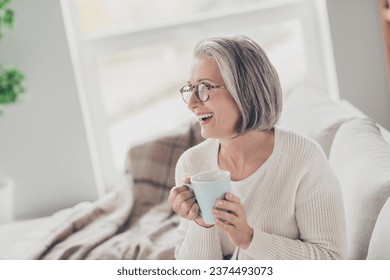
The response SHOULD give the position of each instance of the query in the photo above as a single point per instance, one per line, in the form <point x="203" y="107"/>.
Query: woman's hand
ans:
<point x="231" y="218"/>
<point x="184" y="203"/>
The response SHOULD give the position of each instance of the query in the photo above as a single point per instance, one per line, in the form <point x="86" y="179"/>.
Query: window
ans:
<point x="132" y="57"/>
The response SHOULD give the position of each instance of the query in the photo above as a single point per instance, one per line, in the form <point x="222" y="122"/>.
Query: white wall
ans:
<point x="359" y="55"/>
<point x="43" y="145"/>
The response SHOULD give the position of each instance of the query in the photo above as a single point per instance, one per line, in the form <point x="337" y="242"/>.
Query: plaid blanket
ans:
<point x="133" y="221"/>
<point x="153" y="165"/>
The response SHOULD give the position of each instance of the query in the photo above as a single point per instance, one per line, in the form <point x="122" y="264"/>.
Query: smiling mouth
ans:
<point x="204" y="117"/>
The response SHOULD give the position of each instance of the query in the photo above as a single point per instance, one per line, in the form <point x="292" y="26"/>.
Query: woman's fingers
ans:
<point x="233" y="207"/>
<point x="226" y="226"/>
<point x="232" y="219"/>
<point x="225" y="216"/>
<point x="187" y="179"/>
<point x="183" y="202"/>
<point x="185" y="206"/>
<point x="193" y="212"/>
<point x="232" y="198"/>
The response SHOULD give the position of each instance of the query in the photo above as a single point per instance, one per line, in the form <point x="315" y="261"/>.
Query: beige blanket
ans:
<point x="133" y="221"/>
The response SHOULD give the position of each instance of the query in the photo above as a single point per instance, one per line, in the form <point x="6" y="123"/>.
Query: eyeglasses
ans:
<point x="202" y="91"/>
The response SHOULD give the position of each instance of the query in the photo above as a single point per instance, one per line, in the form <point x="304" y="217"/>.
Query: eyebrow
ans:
<point x="202" y="80"/>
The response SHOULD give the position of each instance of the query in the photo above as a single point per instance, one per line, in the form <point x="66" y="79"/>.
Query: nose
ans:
<point x="193" y="102"/>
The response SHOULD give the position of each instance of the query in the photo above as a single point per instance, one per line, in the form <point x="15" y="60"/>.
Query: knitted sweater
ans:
<point x="296" y="212"/>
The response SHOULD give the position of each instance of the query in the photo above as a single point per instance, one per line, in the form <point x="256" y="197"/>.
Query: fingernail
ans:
<point x="219" y="202"/>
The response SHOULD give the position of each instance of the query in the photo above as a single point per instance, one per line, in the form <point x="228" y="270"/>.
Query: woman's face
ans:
<point x="219" y="116"/>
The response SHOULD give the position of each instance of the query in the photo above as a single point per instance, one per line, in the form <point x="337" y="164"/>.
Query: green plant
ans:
<point x="11" y="79"/>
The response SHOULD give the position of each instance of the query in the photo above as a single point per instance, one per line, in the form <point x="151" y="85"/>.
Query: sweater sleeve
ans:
<point x="319" y="216"/>
<point x="197" y="242"/>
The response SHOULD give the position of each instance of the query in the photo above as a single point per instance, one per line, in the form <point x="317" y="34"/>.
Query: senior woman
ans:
<point x="285" y="201"/>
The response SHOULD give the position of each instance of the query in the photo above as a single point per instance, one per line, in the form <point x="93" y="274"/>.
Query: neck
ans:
<point x="244" y="154"/>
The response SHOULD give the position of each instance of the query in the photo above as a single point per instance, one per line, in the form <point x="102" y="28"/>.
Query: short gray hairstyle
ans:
<point x="250" y="78"/>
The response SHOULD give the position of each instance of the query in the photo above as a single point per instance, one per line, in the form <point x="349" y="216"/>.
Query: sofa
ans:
<point x="119" y="224"/>
<point x="358" y="150"/>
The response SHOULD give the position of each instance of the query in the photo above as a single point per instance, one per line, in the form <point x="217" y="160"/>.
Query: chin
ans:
<point x="206" y="134"/>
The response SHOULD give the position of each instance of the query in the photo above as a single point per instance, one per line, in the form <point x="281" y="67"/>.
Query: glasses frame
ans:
<point x="196" y="87"/>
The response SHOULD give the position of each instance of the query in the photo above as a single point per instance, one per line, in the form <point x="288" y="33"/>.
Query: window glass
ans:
<point x="140" y="86"/>
<point x="113" y="15"/>
<point x="139" y="82"/>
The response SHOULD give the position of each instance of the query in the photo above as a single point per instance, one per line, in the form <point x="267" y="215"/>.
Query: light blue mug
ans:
<point x="208" y="187"/>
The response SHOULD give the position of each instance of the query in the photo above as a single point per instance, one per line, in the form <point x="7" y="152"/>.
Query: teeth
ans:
<point x="204" y="116"/>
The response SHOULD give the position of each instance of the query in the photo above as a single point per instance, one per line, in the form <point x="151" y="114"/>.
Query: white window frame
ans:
<point x="84" y="50"/>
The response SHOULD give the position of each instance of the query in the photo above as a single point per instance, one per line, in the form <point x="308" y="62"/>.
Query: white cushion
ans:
<point x="361" y="160"/>
<point x="385" y="134"/>
<point x="309" y="111"/>
<point x="351" y="108"/>
<point x="379" y="248"/>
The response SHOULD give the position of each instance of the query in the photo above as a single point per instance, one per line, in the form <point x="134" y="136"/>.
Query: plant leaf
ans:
<point x="9" y="18"/>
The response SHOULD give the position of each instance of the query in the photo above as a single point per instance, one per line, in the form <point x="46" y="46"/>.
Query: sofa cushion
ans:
<point x="309" y="110"/>
<point x="361" y="160"/>
<point x="379" y="248"/>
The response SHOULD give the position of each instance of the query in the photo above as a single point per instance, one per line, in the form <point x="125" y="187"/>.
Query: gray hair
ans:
<point x="250" y="78"/>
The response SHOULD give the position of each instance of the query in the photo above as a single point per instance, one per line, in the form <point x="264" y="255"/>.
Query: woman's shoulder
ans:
<point x="297" y="142"/>
<point x="197" y="159"/>
<point x="300" y="153"/>
<point x="200" y="150"/>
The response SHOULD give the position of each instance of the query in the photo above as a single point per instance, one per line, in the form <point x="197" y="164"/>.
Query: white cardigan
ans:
<point x="296" y="213"/>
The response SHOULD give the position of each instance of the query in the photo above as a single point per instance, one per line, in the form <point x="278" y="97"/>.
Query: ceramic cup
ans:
<point x="208" y="187"/>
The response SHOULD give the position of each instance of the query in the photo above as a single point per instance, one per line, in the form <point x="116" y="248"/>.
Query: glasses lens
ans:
<point x="203" y="92"/>
<point x="186" y="92"/>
